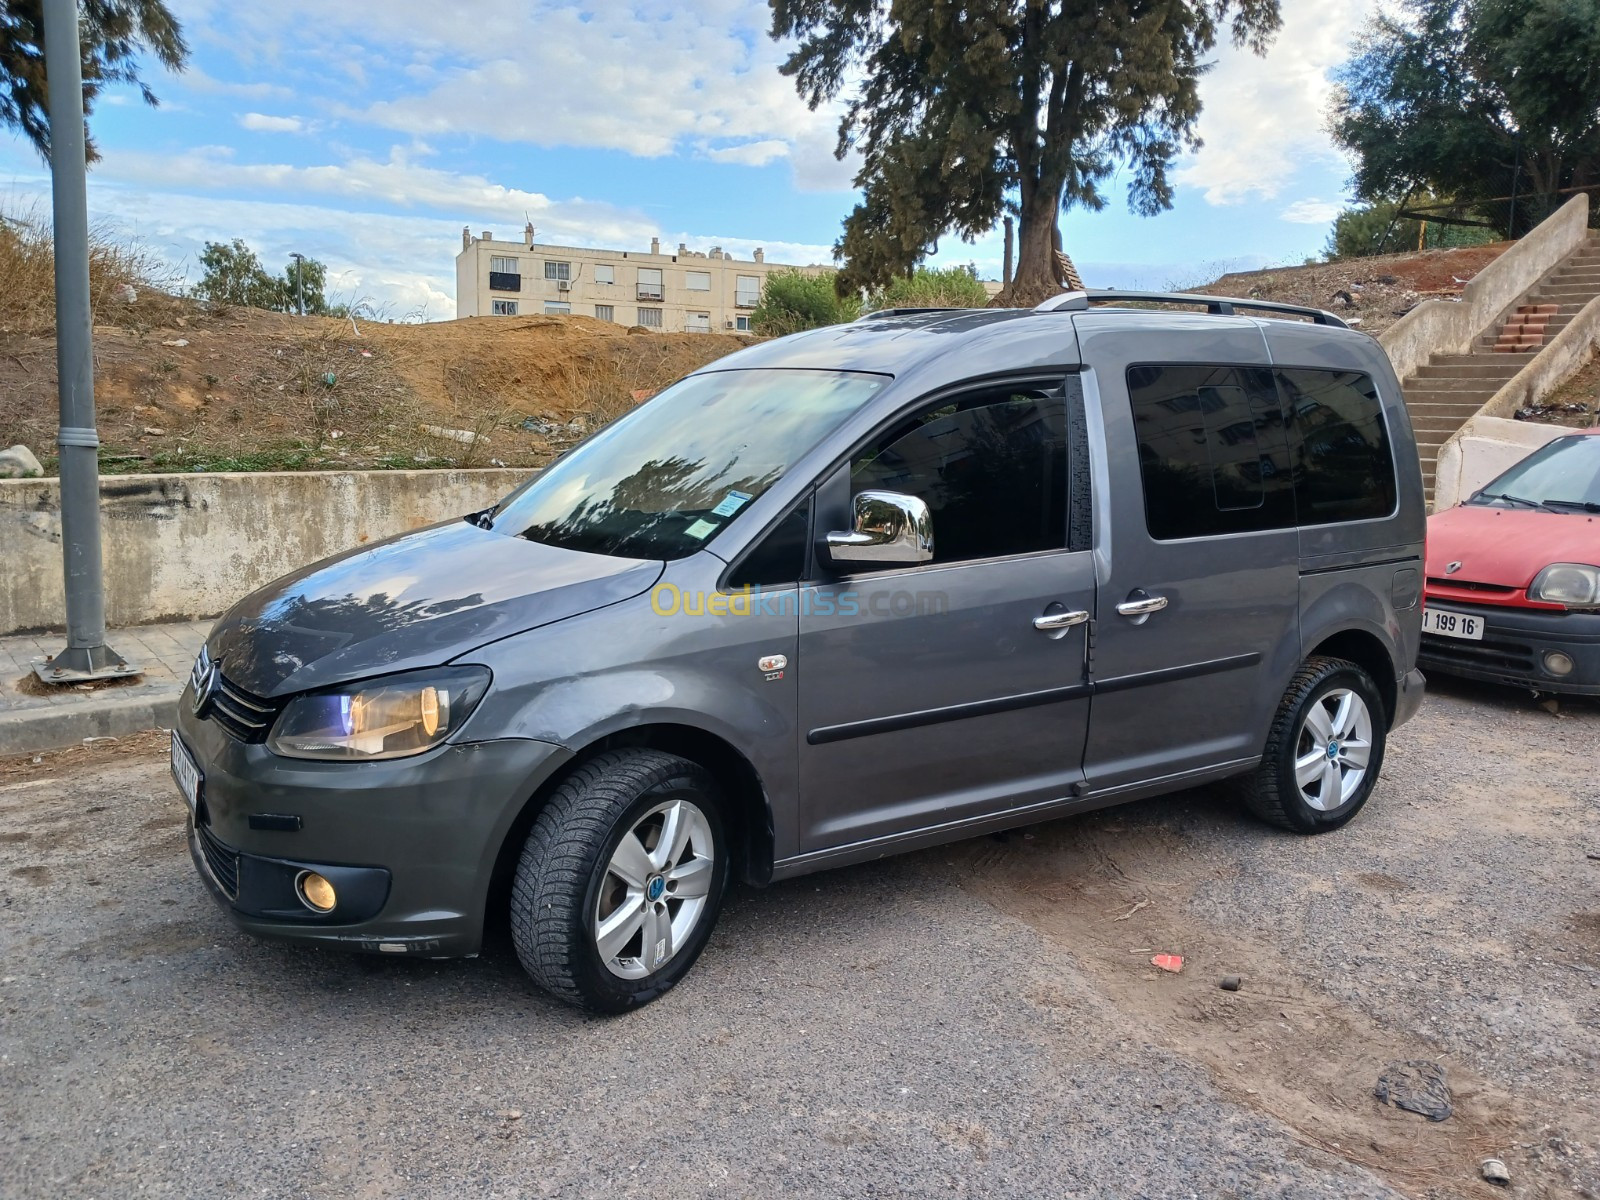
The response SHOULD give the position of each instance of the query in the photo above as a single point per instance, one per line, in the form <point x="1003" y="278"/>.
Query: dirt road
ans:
<point x="980" y="1020"/>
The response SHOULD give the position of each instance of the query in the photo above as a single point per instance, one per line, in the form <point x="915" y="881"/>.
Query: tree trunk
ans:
<point x="1038" y="276"/>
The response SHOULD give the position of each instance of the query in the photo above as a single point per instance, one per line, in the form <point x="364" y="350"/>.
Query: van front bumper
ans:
<point x="1519" y="648"/>
<point x="409" y="845"/>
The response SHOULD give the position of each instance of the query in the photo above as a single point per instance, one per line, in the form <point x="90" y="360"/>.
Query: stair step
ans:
<point x="1455" y="360"/>
<point x="1494" y="370"/>
<point x="1419" y="395"/>
<point x="1458" y="384"/>
<point x="1425" y="411"/>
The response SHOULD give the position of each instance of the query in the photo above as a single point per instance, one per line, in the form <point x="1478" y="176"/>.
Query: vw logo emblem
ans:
<point x="205" y="690"/>
<point x="1452" y="568"/>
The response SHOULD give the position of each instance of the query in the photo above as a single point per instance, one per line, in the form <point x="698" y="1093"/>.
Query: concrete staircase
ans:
<point x="1453" y="387"/>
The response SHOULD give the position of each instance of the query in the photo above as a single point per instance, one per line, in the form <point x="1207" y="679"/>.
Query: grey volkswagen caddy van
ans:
<point x="840" y="595"/>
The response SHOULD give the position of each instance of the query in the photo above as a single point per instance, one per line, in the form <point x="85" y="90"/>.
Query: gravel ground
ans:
<point x="976" y="1020"/>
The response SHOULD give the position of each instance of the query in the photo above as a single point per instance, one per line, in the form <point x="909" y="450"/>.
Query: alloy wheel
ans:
<point x="1333" y="749"/>
<point x="655" y="889"/>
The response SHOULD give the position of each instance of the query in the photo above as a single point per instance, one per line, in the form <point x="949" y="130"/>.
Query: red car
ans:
<point x="1513" y="584"/>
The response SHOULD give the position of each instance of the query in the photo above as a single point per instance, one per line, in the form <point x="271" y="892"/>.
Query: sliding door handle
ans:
<point x="1141" y="605"/>
<point x="1051" y="622"/>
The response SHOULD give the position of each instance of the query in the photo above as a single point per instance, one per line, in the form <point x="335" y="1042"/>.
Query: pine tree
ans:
<point x="968" y="109"/>
<point x="113" y="35"/>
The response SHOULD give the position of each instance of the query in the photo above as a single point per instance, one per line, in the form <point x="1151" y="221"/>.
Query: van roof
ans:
<point x="892" y="341"/>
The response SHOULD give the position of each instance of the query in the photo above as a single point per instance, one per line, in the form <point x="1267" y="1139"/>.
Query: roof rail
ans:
<point x="902" y="312"/>
<point x="1216" y="305"/>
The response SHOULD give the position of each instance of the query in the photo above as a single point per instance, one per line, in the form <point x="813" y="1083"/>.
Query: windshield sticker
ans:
<point x="731" y="503"/>
<point x="699" y="529"/>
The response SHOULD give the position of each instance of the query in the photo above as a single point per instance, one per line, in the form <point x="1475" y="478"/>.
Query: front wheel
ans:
<point x="1324" y="750"/>
<point x="621" y="879"/>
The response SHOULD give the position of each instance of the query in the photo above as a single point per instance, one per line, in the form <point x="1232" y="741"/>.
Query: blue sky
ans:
<point x="366" y="134"/>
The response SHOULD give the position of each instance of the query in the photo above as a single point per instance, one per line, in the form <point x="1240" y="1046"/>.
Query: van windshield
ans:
<point x="670" y="476"/>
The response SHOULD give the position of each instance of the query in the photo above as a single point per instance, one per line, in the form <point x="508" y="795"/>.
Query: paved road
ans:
<point x="980" y="1020"/>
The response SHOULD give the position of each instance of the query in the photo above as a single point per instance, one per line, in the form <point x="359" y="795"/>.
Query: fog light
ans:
<point x="1557" y="663"/>
<point x="316" y="893"/>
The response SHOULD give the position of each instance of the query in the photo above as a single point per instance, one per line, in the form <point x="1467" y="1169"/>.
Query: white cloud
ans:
<point x="626" y="75"/>
<point x="261" y="123"/>
<point x="751" y="154"/>
<point x="1264" y="117"/>
<point x="1311" y="212"/>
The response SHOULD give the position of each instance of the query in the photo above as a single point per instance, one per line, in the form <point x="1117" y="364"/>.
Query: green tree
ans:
<point x="963" y="112"/>
<point x="1369" y="229"/>
<point x="234" y="276"/>
<point x="1463" y="98"/>
<point x="949" y="287"/>
<point x="114" y="35"/>
<point x="795" y="300"/>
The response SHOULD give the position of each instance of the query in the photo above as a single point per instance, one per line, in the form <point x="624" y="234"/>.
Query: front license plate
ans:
<point x="187" y="774"/>
<point x="1452" y="624"/>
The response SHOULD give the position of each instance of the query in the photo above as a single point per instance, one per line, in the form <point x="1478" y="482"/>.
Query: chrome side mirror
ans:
<point x="888" y="529"/>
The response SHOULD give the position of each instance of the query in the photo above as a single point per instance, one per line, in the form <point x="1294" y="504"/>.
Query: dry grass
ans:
<point x="27" y="267"/>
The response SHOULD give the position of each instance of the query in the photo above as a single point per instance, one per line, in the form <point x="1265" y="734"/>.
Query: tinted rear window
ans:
<point x="1344" y="467"/>
<point x="1212" y="450"/>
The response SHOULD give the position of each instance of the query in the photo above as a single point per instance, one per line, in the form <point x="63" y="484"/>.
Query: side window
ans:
<point x="779" y="559"/>
<point x="991" y="466"/>
<point x="1213" y="454"/>
<point x="1343" y="465"/>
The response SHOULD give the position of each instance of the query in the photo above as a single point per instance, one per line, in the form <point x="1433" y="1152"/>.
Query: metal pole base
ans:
<point x="83" y="664"/>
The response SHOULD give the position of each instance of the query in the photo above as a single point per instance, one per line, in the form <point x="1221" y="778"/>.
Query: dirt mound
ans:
<point x="1370" y="293"/>
<point x="189" y="388"/>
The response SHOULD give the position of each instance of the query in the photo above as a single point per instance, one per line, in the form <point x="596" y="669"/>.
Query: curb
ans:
<point x="34" y="729"/>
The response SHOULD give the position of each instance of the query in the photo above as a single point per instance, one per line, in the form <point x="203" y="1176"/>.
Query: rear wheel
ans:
<point x="1324" y="750"/>
<point x="621" y="879"/>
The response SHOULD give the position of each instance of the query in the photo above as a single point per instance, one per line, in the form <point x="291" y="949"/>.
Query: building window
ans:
<point x="556" y="308"/>
<point x="605" y="274"/>
<point x="558" y="270"/>
<point x="742" y="324"/>
<point x="747" y="291"/>
<point x="697" y="322"/>
<point x="503" y="274"/>
<point x="605" y="312"/>
<point x="650" y="318"/>
<point x="697" y="281"/>
<point x="504" y="308"/>
<point x="650" y="285"/>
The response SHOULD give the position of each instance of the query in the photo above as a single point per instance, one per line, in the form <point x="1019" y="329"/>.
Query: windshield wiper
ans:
<point x="1511" y="499"/>
<point x="1580" y="505"/>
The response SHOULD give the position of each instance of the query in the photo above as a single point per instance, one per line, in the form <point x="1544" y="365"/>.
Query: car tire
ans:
<point x="605" y="914"/>
<point x="1324" y="751"/>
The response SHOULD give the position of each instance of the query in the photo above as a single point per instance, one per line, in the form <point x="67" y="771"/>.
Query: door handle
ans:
<point x="1143" y="606"/>
<point x="1051" y="622"/>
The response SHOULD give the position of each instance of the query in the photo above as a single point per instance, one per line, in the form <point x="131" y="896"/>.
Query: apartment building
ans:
<point x="689" y="291"/>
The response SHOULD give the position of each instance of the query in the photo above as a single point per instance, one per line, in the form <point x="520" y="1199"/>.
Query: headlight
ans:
<point x="379" y="718"/>
<point x="1576" y="585"/>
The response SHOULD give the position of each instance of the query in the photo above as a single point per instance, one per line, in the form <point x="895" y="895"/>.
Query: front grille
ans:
<point x="222" y="862"/>
<point x="1466" y="585"/>
<point x="241" y="713"/>
<point x="1512" y="658"/>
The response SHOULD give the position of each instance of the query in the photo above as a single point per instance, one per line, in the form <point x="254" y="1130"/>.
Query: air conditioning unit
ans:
<point x="563" y="285"/>
<point x="728" y="324"/>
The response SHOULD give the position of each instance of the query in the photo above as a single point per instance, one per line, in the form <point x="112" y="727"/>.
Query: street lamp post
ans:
<point x="299" y="282"/>
<point x="86" y="655"/>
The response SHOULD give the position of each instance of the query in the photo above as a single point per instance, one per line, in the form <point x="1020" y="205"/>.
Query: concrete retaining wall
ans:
<point x="186" y="546"/>
<point x="1449" y="327"/>
<point x="1484" y="447"/>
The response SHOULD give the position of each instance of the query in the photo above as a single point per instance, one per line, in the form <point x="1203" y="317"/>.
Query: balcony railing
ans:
<point x="746" y="300"/>
<point x="649" y="291"/>
<point x="504" y="281"/>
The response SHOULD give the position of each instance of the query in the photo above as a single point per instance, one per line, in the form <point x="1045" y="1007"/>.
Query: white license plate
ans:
<point x="1452" y="624"/>
<point x="187" y="774"/>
